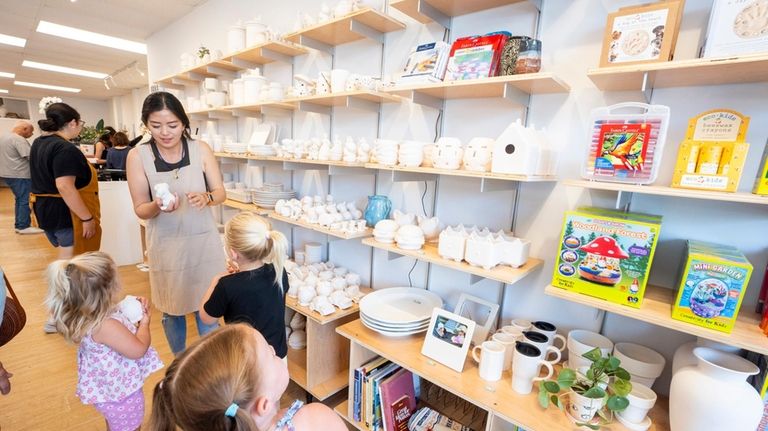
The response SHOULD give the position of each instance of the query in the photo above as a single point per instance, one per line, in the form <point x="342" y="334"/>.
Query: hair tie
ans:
<point x="231" y="410"/>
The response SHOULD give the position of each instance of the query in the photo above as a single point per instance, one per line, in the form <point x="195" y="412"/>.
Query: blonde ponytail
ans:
<point x="253" y="238"/>
<point x="278" y="255"/>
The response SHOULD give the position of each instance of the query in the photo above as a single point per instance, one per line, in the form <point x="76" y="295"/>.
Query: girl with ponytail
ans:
<point x="255" y="292"/>
<point x="114" y="355"/>
<point x="232" y="380"/>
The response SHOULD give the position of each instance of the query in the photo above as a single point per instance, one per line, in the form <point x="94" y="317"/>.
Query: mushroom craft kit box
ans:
<point x="607" y="254"/>
<point x="712" y="282"/>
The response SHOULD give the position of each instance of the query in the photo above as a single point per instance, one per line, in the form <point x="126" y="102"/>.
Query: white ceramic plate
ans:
<point x="394" y="334"/>
<point x="401" y="305"/>
<point x="395" y="329"/>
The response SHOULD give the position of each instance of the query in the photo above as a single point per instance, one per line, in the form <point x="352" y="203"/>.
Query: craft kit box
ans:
<point x="712" y="282"/>
<point x="607" y="254"/>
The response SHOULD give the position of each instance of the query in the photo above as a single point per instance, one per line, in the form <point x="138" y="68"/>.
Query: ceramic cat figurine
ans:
<point x="163" y="191"/>
<point x="131" y="309"/>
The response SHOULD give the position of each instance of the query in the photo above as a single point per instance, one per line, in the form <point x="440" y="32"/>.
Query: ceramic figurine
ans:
<point x="477" y="155"/>
<point x="306" y="294"/>
<point x="324" y="288"/>
<point x="163" y="191"/>
<point x="298" y="339"/>
<point x="512" y="251"/>
<point x="404" y="219"/>
<point x="352" y="279"/>
<point x="452" y="243"/>
<point x="298" y="322"/>
<point x="430" y="227"/>
<point x="447" y="154"/>
<point x="340" y="299"/>
<point x="322" y="305"/>
<point x="132" y="309"/>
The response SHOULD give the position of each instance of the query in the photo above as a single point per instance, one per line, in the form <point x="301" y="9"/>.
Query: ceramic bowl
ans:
<point x="642" y="363"/>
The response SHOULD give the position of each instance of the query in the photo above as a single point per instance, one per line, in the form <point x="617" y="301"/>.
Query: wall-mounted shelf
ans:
<point x="428" y="253"/>
<point x="217" y="113"/>
<point x="684" y="73"/>
<point x="741" y="197"/>
<point x="192" y="75"/>
<point x="497" y="398"/>
<point x="259" y="108"/>
<point x="293" y="304"/>
<point x="423" y="11"/>
<point x="362" y="99"/>
<point x="245" y="207"/>
<point x="657" y="309"/>
<point x="364" y="23"/>
<point x="265" y="53"/>
<point x="317" y="228"/>
<point x="463" y="173"/>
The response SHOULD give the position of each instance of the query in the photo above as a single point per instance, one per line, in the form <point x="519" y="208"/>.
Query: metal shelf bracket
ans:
<point x="314" y="107"/>
<point x="515" y="95"/>
<point x="316" y="44"/>
<point x="426" y="100"/>
<point x="366" y="31"/>
<point x="276" y="56"/>
<point x="435" y="15"/>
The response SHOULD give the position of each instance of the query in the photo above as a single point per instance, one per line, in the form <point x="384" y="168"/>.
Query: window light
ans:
<point x="63" y="69"/>
<point x="46" y="86"/>
<point x="91" y="37"/>
<point x="3" y="91"/>
<point x="12" y="40"/>
<point x="7" y="75"/>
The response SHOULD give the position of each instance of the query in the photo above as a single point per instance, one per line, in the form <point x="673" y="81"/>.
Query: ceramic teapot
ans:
<point x="378" y="209"/>
<point x="447" y="154"/>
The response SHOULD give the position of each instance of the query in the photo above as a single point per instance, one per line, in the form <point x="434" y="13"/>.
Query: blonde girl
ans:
<point x="114" y="355"/>
<point x="253" y="293"/>
<point x="232" y="380"/>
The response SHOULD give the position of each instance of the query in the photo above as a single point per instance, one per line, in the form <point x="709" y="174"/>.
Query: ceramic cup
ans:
<point x="339" y="80"/>
<point x="522" y="324"/>
<point x="491" y="360"/>
<point x="544" y="344"/>
<point x="581" y="341"/>
<point x="508" y="341"/>
<point x="512" y="330"/>
<point x="550" y="331"/>
<point x="525" y="368"/>
<point x="313" y="252"/>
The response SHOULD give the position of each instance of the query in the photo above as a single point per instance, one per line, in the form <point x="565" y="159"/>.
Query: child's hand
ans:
<point x="145" y="307"/>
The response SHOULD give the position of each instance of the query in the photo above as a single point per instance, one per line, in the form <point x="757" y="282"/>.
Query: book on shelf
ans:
<point x="426" y="63"/>
<point x="373" y="387"/>
<point x="360" y="375"/>
<point x="426" y="419"/>
<point x="398" y="400"/>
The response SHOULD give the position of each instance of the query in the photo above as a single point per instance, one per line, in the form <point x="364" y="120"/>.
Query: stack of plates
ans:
<point x="398" y="311"/>
<point x="268" y="195"/>
<point x="262" y="150"/>
<point x="234" y="147"/>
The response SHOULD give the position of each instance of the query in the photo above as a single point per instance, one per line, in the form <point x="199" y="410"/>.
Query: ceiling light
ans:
<point x="7" y="75"/>
<point x="46" y="86"/>
<point x="106" y="84"/>
<point x="12" y="40"/>
<point x="3" y="91"/>
<point x="63" y="69"/>
<point x="91" y="37"/>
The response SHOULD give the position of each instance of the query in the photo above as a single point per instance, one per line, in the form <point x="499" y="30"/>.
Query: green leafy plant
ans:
<point x="604" y="379"/>
<point x="203" y="51"/>
<point x="91" y="134"/>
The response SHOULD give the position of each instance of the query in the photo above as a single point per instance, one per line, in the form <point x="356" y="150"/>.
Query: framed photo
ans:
<point x="480" y="311"/>
<point x="641" y="34"/>
<point x="448" y="338"/>
<point x="737" y="27"/>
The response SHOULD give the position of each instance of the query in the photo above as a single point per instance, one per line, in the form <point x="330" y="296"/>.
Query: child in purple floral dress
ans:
<point x="114" y="356"/>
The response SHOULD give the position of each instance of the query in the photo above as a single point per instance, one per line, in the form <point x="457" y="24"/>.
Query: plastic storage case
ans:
<point x="626" y="147"/>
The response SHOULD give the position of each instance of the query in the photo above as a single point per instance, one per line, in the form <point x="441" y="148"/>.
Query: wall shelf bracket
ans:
<point x="221" y="115"/>
<point x="474" y="279"/>
<point x="426" y="100"/>
<point x="314" y="107"/>
<point x="293" y="166"/>
<point x="245" y="113"/>
<point x="647" y="87"/>
<point x="515" y="95"/>
<point x="219" y="71"/>
<point x="366" y="31"/>
<point x="316" y="44"/>
<point x="536" y="3"/>
<point x="181" y="82"/>
<point x="393" y="256"/>
<point x="276" y="56"/>
<point x="623" y="200"/>
<point x="435" y="15"/>
<point x="362" y="104"/>
<point x="492" y="185"/>
<point x="244" y="64"/>
<point x="402" y="177"/>
<point x="193" y="76"/>
<point x="274" y="111"/>
<point x="348" y="170"/>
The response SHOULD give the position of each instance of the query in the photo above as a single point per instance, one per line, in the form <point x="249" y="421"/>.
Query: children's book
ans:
<point x="398" y="400"/>
<point x="426" y="63"/>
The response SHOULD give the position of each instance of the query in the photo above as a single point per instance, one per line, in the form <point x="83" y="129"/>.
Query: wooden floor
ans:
<point x="44" y="366"/>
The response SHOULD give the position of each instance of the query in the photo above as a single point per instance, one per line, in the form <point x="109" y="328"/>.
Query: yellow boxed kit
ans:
<point x="761" y="182"/>
<point x="712" y="283"/>
<point x="713" y="153"/>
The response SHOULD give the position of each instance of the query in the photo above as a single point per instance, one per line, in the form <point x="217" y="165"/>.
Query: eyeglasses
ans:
<point x="81" y="122"/>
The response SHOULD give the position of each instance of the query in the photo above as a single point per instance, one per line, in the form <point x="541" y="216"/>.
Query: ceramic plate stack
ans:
<point x="236" y="148"/>
<point x="398" y="311"/>
<point x="267" y="195"/>
<point x="262" y="150"/>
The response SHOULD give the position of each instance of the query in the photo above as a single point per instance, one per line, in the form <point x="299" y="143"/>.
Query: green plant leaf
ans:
<point x="617" y="403"/>
<point x="621" y="387"/>
<point x="552" y="387"/>
<point x="590" y="426"/>
<point x="594" y="392"/>
<point x="594" y="354"/>
<point x="601" y="363"/>
<point x="613" y="363"/>
<point x="100" y="125"/>
<point x="604" y="415"/>
<point x="622" y="374"/>
<point x="543" y="396"/>
<point x="556" y="401"/>
<point x="566" y="378"/>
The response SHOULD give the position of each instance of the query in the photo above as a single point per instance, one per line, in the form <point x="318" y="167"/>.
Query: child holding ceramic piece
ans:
<point x="232" y="380"/>
<point x="253" y="293"/>
<point x="114" y="354"/>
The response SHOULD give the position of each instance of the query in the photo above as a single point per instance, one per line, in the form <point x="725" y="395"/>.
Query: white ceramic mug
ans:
<point x="526" y="365"/>
<point x="508" y="341"/>
<point x="339" y="80"/>
<point x="511" y="330"/>
<point x="521" y="324"/>
<point x="550" y="331"/>
<point x="544" y="344"/>
<point x="491" y="360"/>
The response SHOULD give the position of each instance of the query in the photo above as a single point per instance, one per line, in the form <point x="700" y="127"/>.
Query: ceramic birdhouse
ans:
<point x="516" y="151"/>
<point x="452" y="243"/>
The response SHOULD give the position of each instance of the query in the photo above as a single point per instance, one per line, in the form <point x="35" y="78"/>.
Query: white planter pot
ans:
<point x="714" y="394"/>
<point x="641" y="400"/>
<point x="684" y="354"/>
<point x="643" y="364"/>
<point x="581" y="341"/>
<point x="583" y="409"/>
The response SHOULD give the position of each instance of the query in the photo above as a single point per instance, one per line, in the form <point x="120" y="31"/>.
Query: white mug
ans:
<point x="511" y="330"/>
<point x="550" y="331"/>
<point x="544" y="343"/>
<point x="491" y="360"/>
<point x="508" y="341"/>
<point x="526" y="365"/>
<point x="522" y="324"/>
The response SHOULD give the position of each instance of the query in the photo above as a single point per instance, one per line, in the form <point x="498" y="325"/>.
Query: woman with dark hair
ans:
<point x="64" y="185"/>
<point x="119" y="151"/>
<point x="183" y="244"/>
<point x="104" y="144"/>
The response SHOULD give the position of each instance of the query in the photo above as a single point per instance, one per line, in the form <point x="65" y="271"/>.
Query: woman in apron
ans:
<point x="183" y="244"/>
<point x="64" y="185"/>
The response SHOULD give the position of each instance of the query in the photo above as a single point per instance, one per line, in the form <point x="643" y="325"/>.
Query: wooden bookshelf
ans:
<point x="497" y="398"/>
<point x="260" y="54"/>
<point x="317" y="228"/>
<point x="531" y="83"/>
<point x="742" y="197"/>
<point x="339" y="30"/>
<point x="449" y="8"/>
<point x="340" y="98"/>
<point x="297" y="366"/>
<point x="293" y="304"/>
<point x="683" y="73"/>
<point x="463" y="173"/>
<point x="259" y="107"/>
<point x="428" y="253"/>
<point x="657" y="309"/>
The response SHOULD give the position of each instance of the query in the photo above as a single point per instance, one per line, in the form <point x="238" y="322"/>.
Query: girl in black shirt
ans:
<point x="253" y="293"/>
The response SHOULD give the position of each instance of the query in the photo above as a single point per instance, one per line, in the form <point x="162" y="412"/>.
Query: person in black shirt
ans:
<point x="253" y="293"/>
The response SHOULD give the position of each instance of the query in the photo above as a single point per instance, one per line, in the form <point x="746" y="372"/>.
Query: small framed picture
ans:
<point x="737" y="27"/>
<point x="641" y="34"/>
<point x="448" y="338"/>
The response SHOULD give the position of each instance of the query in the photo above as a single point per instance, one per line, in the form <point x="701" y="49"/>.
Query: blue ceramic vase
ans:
<point x="378" y="209"/>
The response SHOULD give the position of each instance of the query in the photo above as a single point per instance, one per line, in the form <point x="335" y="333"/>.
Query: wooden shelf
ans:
<point x="342" y="409"/>
<point x="742" y="197"/>
<point x="340" y="30"/>
<point x="317" y="228"/>
<point x="495" y="397"/>
<point x="297" y="366"/>
<point x="532" y="83"/>
<point x="463" y="173"/>
<point x="246" y="156"/>
<point x="657" y="309"/>
<point x="449" y="8"/>
<point x="245" y="207"/>
<point x="197" y="73"/>
<point x="262" y="54"/>
<point x="259" y="107"/>
<point x="428" y="253"/>
<point x="684" y="73"/>
<point x="293" y="304"/>
<point x="341" y="99"/>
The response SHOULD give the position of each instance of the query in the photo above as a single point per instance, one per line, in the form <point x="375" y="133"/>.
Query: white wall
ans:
<point x="91" y="110"/>
<point x="571" y="32"/>
<point x="126" y="110"/>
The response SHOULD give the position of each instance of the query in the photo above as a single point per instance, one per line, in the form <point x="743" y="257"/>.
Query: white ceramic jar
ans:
<point x="255" y="33"/>
<point x="235" y="38"/>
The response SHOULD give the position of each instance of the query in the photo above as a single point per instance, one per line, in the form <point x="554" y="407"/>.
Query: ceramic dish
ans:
<point x="400" y="305"/>
<point x="394" y="334"/>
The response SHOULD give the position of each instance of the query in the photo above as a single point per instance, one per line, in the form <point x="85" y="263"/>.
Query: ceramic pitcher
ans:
<point x="378" y="209"/>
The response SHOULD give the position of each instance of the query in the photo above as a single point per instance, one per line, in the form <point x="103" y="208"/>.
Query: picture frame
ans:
<point x="641" y="34"/>
<point x="480" y="311"/>
<point x="448" y="339"/>
<point x="736" y="27"/>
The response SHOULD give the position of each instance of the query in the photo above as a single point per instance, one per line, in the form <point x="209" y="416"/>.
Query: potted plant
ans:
<point x="602" y="388"/>
<point x="204" y="54"/>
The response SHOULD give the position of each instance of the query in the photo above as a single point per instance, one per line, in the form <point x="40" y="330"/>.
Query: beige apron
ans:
<point x="90" y="196"/>
<point x="183" y="246"/>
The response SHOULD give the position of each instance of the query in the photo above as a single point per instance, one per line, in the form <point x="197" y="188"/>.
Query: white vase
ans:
<point x="684" y="354"/>
<point x="714" y="394"/>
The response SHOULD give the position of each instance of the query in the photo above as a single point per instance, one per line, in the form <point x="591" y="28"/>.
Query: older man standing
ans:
<point x="14" y="169"/>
